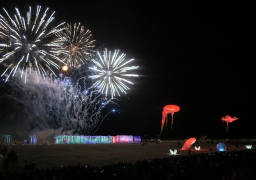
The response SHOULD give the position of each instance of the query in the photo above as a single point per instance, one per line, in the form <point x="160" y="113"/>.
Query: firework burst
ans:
<point x="110" y="69"/>
<point x="74" y="44"/>
<point x="25" y="42"/>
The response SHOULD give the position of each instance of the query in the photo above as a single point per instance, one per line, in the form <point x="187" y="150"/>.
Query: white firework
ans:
<point x="110" y="69"/>
<point x="74" y="44"/>
<point x="25" y="42"/>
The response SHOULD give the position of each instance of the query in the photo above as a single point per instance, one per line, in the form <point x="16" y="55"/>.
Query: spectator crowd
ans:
<point x="231" y="165"/>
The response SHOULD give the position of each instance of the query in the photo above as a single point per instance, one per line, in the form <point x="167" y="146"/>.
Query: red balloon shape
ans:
<point x="168" y="109"/>
<point x="228" y="119"/>
<point x="188" y="143"/>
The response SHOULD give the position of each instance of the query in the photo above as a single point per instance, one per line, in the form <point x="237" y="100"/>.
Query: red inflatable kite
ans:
<point x="188" y="143"/>
<point x="168" y="109"/>
<point x="228" y="119"/>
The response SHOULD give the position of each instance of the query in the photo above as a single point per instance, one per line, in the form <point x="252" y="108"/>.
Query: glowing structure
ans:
<point x="221" y="147"/>
<point x="248" y="146"/>
<point x="33" y="139"/>
<point x="110" y="70"/>
<point x="173" y="152"/>
<point x="187" y="145"/>
<point x="74" y="44"/>
<point x="122" y="139"/>
<point x="136" y="139"/>
<point x="168" y="109"/>
<point x="71" y="139"/>
<point x="6" y="138"/>
<point x="26" y="42"/>
<point x="197" y="148"/>
<point x="228" y="119"/>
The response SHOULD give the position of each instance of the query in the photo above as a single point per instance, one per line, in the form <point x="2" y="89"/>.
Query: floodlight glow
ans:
<point x="248" y="146"/>
<point x="173" y="152"/>
<point x="113" y="110"/>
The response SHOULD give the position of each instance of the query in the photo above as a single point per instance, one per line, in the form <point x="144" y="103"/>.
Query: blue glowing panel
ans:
<point x="136" y="139"/>
<point x="33" y="139"/>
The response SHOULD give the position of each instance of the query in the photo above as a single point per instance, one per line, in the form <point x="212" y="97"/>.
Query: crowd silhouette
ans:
<point x="231" y="165"/>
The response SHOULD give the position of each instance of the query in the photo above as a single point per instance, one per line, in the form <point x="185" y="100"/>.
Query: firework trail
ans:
<point x="110" y="70"/>
<point x="25" y="42"/>
<point x="59" y="104"/>
<point x="74" y="44"/>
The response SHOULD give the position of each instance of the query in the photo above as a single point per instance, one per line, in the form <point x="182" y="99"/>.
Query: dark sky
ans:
<point x="199" y="56"/>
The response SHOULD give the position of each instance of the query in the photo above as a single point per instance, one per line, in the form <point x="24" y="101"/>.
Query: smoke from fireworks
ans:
<point x="59" y="104"/>
<point x="74" y="44"/>
<point x="110" y="70"/>
<point x="25" y="43"/>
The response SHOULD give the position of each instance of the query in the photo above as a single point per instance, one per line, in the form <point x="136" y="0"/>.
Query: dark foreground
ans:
<point x="118" y="162"/>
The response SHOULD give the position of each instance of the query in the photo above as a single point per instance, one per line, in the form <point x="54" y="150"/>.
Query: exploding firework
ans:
<point x="74" y="44"/>
<point x="26" y="42"/>
<point x="110" y="71"/>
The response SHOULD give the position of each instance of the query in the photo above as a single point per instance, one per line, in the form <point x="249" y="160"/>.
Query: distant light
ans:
<point x="113" y="110"/>
<point x="197" y="148"/>
<point x="65" y="68"/>
<point x="173" y="152"/>
<point x="248" y="146"/>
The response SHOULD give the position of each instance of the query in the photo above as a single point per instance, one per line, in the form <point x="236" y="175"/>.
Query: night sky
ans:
<point x="199" y="56"/>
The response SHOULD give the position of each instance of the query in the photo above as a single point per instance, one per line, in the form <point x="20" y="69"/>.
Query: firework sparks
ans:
<point x="59" y="103"/>
<point x="110" y="71"/>
<point x="25" y="44"/>
<point x="74" y="44"/>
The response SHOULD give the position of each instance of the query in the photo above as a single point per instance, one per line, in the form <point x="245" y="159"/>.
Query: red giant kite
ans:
<point x="228" y="119"/>
<point x="168" y="109"/>
<point x="188" y="143"/>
